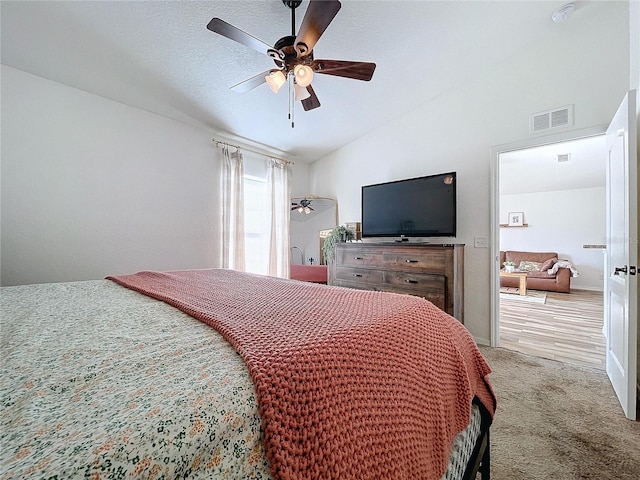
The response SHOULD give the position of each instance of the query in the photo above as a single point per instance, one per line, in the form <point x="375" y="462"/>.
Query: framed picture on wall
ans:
<point x="516" y="219"/>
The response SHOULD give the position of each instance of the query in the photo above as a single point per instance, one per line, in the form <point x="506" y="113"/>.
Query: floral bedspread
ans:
<point x="111" y="384"/>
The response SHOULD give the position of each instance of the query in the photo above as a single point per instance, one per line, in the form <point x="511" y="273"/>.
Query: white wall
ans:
<point x="300" y="180"/>
<point x="91" y="187"/>
<point x="561" y="222"/>
<point x="586" y="65"/>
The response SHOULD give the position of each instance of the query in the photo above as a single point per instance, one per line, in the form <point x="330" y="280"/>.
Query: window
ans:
<point x="256" y="215"/>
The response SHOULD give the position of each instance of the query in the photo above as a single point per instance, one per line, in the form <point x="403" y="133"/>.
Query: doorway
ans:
<point x="549" y="196"/>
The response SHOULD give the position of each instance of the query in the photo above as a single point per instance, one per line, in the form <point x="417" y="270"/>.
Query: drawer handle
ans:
<point x="358" y="258"/>
<point x="409" y="280"/>
<point x="357" y="275"/>
<point x="408" y="260"/>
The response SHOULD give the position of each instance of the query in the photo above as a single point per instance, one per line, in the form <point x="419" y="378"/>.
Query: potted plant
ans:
<point x="337" y="235"/>
<point x="509" y="266"/>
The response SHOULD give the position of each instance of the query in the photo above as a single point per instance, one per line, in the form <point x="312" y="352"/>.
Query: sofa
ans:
<point x="536" y="264"/>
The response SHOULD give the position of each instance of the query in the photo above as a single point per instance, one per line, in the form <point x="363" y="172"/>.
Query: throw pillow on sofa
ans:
<point x="548" y="264"/>
<point x="526" y="266"/>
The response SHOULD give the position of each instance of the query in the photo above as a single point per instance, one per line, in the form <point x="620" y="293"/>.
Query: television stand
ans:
<point x="434" y="271"/>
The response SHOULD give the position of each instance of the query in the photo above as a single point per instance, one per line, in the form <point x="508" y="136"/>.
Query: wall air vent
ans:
<point x="559" y="117"/>
<point x="540" y="122"/>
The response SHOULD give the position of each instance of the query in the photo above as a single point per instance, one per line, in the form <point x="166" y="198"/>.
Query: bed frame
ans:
<point x="480" y="461"/>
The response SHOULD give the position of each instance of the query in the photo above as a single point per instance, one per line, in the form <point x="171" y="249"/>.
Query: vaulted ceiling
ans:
<point x="160" y="57"/>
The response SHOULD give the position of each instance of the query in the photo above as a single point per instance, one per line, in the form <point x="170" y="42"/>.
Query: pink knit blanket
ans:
<point x="350" y="384"/>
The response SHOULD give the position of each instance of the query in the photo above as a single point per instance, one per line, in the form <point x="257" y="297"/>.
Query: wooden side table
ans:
<point x="521" y="275"/>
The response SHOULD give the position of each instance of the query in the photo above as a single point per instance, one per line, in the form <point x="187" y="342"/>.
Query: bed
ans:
<point x="126" y="378"/>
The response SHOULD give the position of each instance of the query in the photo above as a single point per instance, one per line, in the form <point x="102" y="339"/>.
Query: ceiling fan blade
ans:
<point x="316" y="19"/>
<point x="225" y="29"/>
<point x="342" y="68"/>
<point x="250" y="83"/>
<point x="311" y="102"/>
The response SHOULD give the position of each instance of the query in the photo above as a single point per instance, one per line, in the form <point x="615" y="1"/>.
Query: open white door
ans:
<point x="621" y="287"/>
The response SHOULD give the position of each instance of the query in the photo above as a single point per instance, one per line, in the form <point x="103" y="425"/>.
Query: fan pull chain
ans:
<point x="292" y="102"/>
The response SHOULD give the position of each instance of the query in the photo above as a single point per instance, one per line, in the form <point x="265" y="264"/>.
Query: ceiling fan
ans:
<point x="293" y="54"/>
<point x="303" y="205"/>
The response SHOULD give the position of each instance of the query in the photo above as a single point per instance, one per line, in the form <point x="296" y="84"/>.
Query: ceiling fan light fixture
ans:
<point x="275" y="80"/>
<point x="301" y="93"/>
<point x="307" y="210"/>
<point x="563" y="13"/>
<point x="293" y="54"/>
<point x="303" y="74"/>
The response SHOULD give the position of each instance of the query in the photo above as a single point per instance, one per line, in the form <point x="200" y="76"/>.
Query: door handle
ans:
<point x="619" y="270"/>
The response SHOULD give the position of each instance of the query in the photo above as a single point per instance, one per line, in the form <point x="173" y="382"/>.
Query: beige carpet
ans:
<point x="558" y="421"/>
<point x="512" y="293"/>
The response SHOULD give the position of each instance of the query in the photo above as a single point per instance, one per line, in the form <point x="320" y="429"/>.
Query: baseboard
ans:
<point x="482" y="341"/>
<point x="591" y="289"/>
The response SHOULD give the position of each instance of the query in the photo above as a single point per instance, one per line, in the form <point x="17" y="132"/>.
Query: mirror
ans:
<point x="309" y="215"/>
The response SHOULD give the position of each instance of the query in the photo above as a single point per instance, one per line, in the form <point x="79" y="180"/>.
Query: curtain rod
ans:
<point x="221" y="142"/>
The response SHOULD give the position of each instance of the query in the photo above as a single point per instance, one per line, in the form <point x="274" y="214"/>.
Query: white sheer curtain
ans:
<point x="279" y="195"/>
<point x="232" y="205"/>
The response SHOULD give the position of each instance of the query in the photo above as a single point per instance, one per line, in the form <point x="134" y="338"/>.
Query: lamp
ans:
<point x="303" y="74"/>
<point x="275" y="80"/>
<point x="301" y="93"/>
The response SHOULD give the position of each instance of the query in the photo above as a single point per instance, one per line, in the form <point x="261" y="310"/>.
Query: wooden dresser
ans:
<point x="435" y="272"/>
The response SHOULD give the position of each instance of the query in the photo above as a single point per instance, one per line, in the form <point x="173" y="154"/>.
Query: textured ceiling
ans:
<point x="159" y="56"/>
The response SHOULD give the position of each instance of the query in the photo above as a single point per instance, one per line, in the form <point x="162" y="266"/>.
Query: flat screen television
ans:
<point x="415" y="207"/>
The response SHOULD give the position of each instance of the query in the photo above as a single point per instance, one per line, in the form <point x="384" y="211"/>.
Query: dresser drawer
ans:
<point x="359" y="275"/>
<point x="412" y="280"/>
<point x="437" y="298"/>
<point x="434" y="262"/>
<point x="431" y="287"/>
<point x="357" y="258"/>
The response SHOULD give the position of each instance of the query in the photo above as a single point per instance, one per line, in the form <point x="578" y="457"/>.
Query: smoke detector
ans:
<point x="563" y="13"/>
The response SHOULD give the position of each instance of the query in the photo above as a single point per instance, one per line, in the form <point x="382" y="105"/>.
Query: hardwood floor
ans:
<point x="568" y="327"/>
